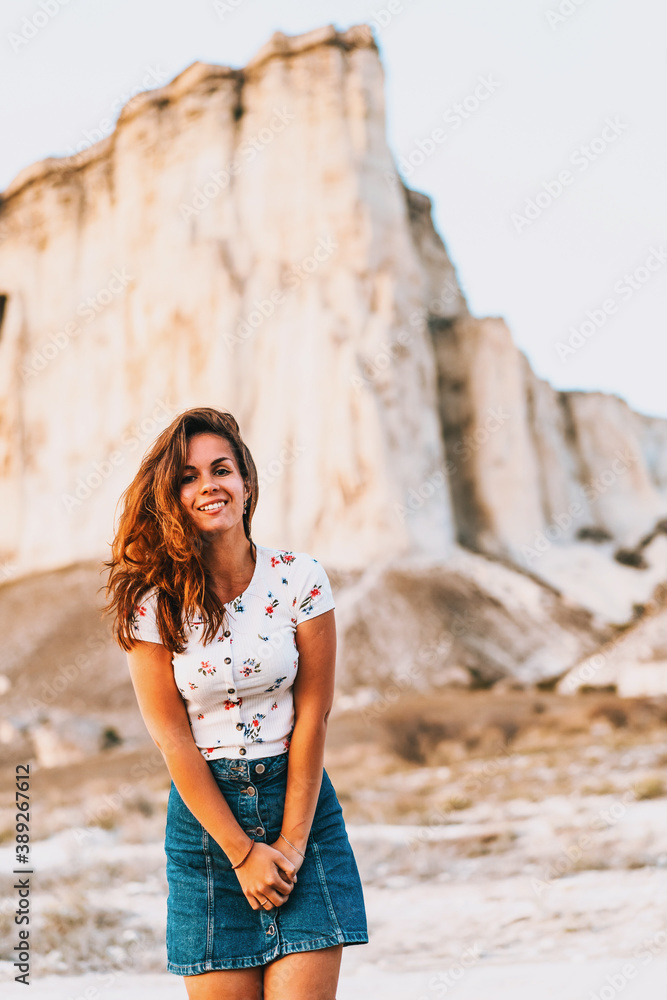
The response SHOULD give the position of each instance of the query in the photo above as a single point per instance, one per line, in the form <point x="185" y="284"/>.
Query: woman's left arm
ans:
<point x="313" y="697"/>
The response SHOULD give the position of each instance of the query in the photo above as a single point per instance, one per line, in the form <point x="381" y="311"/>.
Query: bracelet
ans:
<point x="245" y="856"/>
<point x="292" y="845"/>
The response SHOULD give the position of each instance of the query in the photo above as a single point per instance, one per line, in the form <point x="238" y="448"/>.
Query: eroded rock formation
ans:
<point x="243" y="240"/>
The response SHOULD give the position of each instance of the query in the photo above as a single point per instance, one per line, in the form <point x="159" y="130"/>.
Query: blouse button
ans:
<point x="227" y="633"/>
<point x="231" y="690"/>
<point x="239" y="725"/>
<point x="242" y="751"/>
<point x="228" y="659"/>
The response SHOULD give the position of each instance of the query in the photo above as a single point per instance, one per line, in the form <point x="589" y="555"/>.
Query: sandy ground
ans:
<point x="467" y="932"/>
<point x="535" y="871"/>
<point x="525" y="981"/>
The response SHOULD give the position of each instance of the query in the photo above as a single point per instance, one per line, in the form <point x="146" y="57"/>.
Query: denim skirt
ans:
<point x="210" y="923"/>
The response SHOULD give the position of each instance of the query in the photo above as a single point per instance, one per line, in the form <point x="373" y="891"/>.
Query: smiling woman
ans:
<point x="231" y="648"/>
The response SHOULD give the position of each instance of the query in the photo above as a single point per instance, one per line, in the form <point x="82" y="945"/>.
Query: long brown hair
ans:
<point x="156" y="543"/>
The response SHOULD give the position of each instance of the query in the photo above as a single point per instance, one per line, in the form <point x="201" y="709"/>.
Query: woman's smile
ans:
<point x="213" y="506"/>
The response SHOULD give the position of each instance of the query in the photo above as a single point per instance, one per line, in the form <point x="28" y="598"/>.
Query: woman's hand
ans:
<point x="266" y="874"/>
<point x="289" y="852"/>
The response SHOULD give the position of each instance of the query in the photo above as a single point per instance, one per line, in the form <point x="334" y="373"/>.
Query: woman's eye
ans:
<point x="217" y="472"/>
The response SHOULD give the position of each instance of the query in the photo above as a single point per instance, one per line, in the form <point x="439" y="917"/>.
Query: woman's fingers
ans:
<point x="276" y="897"/>
<point x="267" y="885"/>
<point x="266" y="900"/>
<point x="284" y="864"/>
<point x="289" y="873"/>
<point x="281" y="884"/>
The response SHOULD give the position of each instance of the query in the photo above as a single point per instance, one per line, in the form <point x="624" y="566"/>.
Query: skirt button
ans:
<point x="258" y="767"/>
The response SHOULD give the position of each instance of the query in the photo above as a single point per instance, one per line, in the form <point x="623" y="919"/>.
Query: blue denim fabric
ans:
<point x="210" y="923"/>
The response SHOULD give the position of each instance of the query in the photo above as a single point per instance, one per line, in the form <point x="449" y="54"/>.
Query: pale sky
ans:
<point x="545" y="88"/>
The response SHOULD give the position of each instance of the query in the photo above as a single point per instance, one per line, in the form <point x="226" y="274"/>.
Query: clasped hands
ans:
<point x="269" y="873"/>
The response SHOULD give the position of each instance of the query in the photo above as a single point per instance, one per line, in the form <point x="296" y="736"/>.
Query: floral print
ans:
<point x="268" y="609"/>
<point x="276" y="684"/>
<point x="249" y="666"/>
<point x="140" y="611"/>
<point x="283" y="557"/>
<point x="253" y="727"/>
<point x="248" y="670"/>
<point x="307" y="603"/>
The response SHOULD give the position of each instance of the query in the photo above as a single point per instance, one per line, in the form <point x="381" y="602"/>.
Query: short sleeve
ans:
<point x="143" y="623"/>
<point x="315" y="595"/>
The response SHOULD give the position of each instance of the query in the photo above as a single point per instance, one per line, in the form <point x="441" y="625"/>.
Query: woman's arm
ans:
<point x="164" y="712"/>
<point x="313" y="697"/>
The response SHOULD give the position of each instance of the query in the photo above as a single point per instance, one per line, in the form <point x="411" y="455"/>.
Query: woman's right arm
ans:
<point x="165" y="715"/>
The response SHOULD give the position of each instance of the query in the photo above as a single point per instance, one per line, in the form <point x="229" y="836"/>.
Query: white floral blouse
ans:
<point x="238" y="689"/>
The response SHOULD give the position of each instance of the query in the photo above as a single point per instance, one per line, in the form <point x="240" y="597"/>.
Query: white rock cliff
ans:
<point x="243" y="240"/>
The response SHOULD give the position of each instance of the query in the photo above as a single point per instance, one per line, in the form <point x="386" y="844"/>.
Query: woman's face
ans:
<point x="212" y="489"/>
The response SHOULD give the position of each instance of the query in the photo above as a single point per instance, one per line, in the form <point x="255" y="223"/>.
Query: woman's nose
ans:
<point x="207" y="484"/>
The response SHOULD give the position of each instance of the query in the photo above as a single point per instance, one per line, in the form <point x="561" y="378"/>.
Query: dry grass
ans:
<point x="611" y="710"/>
<point x="650" y="787"/>
<point x="444" y="727"/>
<point x="78" y="929"/>
<point x="476" y="749"/>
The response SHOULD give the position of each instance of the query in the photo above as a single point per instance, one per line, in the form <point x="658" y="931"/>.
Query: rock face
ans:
<point x="414" y="624"/>
<point x="233" y="243"/>
<point x="528" y="458"/>
<point x="555" y="482"/>
<point x="633" y="663"/>
<point x="419" y="625"/>
<point x="243" y="240"/>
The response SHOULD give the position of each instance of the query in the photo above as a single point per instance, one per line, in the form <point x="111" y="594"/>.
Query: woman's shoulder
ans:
<point x="143" y="620"/>
<point x="307" y="580"/>
<point x="288" y="558"/>
<point x="148" y="595"/>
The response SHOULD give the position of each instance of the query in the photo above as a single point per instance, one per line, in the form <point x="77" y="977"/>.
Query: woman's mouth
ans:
<point x="211" y="508"/>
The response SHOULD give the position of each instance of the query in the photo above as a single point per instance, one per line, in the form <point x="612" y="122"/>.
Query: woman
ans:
<point x="231" y="648"/>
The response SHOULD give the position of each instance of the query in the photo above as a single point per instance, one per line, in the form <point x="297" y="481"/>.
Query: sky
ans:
<point x="537" y="128"/>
